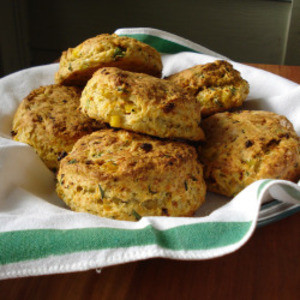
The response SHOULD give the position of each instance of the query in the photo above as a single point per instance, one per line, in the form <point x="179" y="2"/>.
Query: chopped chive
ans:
<point x="119" y="52"/>
<point x="233" y="90"/>
<point x="219" y="103"/>
<point x="72" y="161"/>
<point x="70" y="67"/>
<point x="112" y="162"/>
<point x="85" y="65"/>
<point x="61" y="179"/>
<point x="97" y="154"/>
<point x="185" y="185"/>
<point x="101" y="191"/>
<point x="123" y="90"/>
<point x="136" y="215"/>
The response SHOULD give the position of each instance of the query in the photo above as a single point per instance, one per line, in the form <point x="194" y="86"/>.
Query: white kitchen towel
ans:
<point x="40" y="235"/>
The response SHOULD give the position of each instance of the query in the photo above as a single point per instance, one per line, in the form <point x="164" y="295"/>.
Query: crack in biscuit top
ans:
<point x="109" y="154"/>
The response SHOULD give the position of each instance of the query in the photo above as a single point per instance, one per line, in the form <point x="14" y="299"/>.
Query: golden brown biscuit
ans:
<point x="48" y="119"/>
<point x="141" y="103"/>
<point x="78" y="64"/>
<point x="217" y="86"/>
<point x="124" y="175"/>
<point x="245" y="146"/>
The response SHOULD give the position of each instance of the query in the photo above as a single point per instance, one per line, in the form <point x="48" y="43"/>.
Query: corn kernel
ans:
<point x="76" y="51"/>
<point x="115" y="121"/>
<point x="129" y="108"/>
<point x="225" y="96"/>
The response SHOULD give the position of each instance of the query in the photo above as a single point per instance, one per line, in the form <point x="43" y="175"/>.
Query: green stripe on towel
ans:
<point x="161" y="45"/>
<point x="292" y="192"/>
<point x="24" y="245"/>
<point x="261" y="186"/>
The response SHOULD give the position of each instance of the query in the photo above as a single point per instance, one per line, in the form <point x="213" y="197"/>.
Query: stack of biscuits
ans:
<point x="125" y="143"/>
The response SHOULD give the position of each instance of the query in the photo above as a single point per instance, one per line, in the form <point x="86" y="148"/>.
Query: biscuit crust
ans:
<point x="141" y="103"/>
<point x="48" y="119"/>
<point x="78" y="64"/>
<point x="217" y="86"/>
<point x="245" y="146"/>
<point x="124" y="175"/>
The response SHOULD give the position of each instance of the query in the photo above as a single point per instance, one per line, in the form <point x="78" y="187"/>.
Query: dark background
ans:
<point x="34" y="32"/>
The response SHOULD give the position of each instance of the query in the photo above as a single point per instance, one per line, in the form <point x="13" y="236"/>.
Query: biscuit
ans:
<point x="217" y="86"/>
<point x="124" y="175"/>
<point x="141" y="103"/>
<point x="78" y="64"/>
<point x="48" y="119"/>
<point x="246" y="146"/>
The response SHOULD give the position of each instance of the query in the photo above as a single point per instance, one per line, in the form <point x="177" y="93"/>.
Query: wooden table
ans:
<point x="267" y="267"/>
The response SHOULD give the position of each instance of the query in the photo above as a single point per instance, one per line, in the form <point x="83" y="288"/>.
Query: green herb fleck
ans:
<point x="219" y="103"/>
<point x="233" y="90"/>
<point x="101" y="191"/>
<point x="70" y="67"/>
<point x="72" y="161"/>
<point x="123" y="90"/>
<point x="85" y="65"/>
<point x="61" y="179"/>
<point x="136" y="215"/>
<point x="185" y="185"/>
<point x="112" y="162"/>
<point x="97" y="154"/>
<point x="119" y="53"/>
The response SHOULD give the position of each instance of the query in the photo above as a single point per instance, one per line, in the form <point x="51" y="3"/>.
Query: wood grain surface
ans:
<point x="267" y="267"/>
